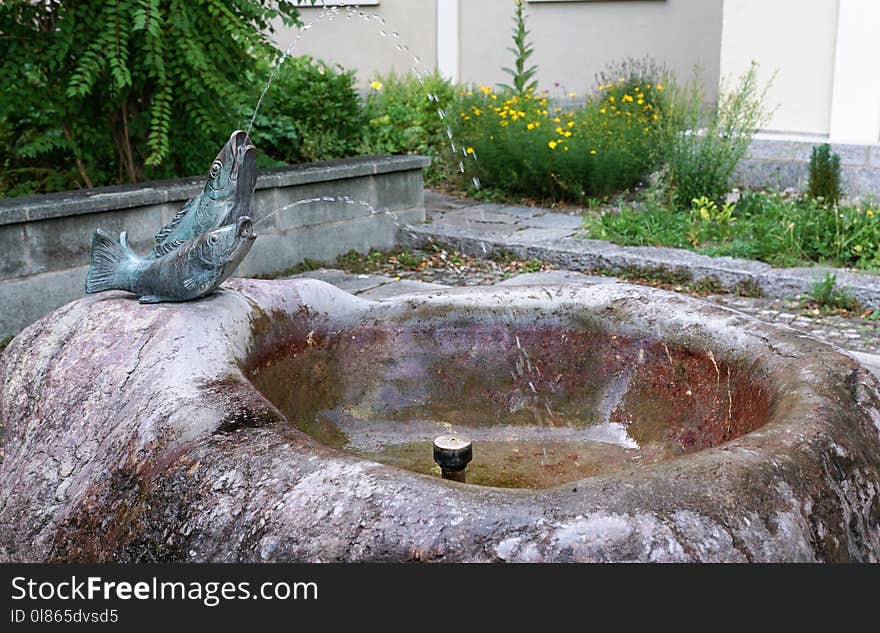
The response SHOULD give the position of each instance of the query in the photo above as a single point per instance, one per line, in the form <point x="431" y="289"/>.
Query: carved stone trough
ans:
<point x="288" y="420"/>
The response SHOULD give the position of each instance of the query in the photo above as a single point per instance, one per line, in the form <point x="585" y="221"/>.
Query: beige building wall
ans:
<point x="575" y="40"/>
<point x="797" y="40"/>
<point x="358" y="44"/>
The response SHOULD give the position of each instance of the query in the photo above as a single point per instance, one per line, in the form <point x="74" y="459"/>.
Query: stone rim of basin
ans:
<point x="155" y="447"/>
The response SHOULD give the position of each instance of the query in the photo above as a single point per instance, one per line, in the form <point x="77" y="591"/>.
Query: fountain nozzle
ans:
<point x="453" y="453"/>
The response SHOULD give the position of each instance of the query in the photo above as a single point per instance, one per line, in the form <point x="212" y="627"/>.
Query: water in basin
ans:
<point x="544" y="403"/>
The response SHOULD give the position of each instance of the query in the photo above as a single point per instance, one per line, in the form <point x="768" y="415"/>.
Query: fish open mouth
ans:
<point x="244" y="155"/>
<point x="244" y="228"/>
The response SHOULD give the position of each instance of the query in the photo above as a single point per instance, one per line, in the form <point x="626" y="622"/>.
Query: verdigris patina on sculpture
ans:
<point x="198" y="249"/>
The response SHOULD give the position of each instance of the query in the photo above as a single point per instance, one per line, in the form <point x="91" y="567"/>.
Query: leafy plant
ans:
<point x="521" y="75"/>
<point x="409" y="115"/>
<point x="702" y="147"/>
<point x="829" y="295"/>
<point x="824" y="182"/>
<point x="407" y="261"/>
<point x="311" y="112"/>
<point x="709" y="221"/>
<point x="125" y="90"/>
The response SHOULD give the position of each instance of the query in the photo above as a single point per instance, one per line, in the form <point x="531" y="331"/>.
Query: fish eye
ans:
<point x="215" y="169"/>
<point x="214" y="239"/>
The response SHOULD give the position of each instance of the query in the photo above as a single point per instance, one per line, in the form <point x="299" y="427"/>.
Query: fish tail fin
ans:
<point x="108" y="270"/>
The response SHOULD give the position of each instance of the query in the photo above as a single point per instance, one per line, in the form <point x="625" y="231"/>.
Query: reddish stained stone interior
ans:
<point x="545" y="404"/>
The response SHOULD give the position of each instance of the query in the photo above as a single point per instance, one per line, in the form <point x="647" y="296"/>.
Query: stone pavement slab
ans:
<point x="554" y="237"/>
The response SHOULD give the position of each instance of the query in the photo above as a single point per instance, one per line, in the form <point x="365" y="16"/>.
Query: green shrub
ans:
<point x="824" y="179"/>
<point x="701" y="146"/>
<point x="99" y="93"/>
<point x="409" y="115"/>
<point x="624" y="119"/>
<point x="526" y="147"/>
<point x="521" y="148"/>
<point x="311" y="112"/>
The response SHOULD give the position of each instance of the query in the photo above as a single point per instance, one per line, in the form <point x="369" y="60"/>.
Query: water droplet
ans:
<point x="395" y="34"/>
<point x="383" y="33"/>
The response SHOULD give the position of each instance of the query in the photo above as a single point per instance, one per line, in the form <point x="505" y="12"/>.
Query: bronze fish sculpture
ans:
<point x="225" y="197"/>
<point x="193" y="269"/>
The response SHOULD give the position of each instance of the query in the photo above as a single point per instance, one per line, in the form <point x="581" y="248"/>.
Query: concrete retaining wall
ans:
<point x="779" y="161"/>
<point x="44" y="240"/>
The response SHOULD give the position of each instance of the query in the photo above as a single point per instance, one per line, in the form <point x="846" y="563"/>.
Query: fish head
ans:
<point x="233" y="173"/>
<point x="226" y="247"/>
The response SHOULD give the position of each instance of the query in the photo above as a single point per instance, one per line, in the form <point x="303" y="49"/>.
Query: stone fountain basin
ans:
<point x="286" y="420"/>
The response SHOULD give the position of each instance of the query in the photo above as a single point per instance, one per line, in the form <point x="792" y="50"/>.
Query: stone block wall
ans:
<point x="45" y="240"/>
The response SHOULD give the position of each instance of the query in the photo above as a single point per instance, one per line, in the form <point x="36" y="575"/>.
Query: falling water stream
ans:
<point x="524" y="372"/>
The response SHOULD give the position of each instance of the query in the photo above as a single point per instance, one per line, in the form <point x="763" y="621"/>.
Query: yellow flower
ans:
<point x="556" y="119"/>
<point x="572" y="94"/>
<point x="558" y="130"/>
<point x="565" y="149"/>
<point x="477" y="111"/>
<point x="504" y="123"/>
<point x="626" y="99"/>
<point x="469" y="150"/>
<point x="531" y="126"/>
<point x="494" y="97"/>
<point x="602" y="111"/>
<point x="869" y="213"/>
<point x="592" y="151"/>
<point x="566" y="134"/>
<point x="485" y="90"/>
<point x="611" y="98"/>
<point x="376" y="85"/>
<point x="570" y="124"/>
<point x="552" y="144"/>
<point x="659" y="86"/>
